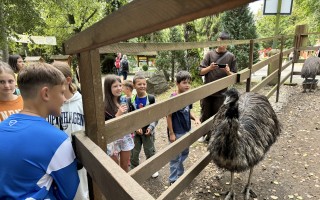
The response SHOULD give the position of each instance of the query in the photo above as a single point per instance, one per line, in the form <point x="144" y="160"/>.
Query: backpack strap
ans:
<point x="224" y="55"/>
<point x="151" y="99"/>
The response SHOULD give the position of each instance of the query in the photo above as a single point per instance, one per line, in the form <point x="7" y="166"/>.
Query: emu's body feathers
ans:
<point x="244" y="129"/>
<point x="311" y="67"/>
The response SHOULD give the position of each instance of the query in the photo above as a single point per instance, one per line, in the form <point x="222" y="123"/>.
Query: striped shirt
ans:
<point x="36" y="160"/>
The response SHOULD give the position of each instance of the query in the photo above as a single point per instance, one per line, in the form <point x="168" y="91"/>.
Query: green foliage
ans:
<point x="172" y="59"/>
<point x="65" y="18"/>
<point x="17" y="17"/>
<point x="240" y="25"/>
<point x="114" y="5"/>
<point x="303" y="12"/>
<point x="193" y="55"/>
<point x="207" y="27"/>
<point x="145" y="68"/>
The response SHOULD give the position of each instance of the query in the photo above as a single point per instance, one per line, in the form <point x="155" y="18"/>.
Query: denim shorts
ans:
<point x="124" y="144"/>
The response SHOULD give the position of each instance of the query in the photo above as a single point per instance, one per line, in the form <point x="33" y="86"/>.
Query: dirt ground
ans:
<point x="290" y="169"/>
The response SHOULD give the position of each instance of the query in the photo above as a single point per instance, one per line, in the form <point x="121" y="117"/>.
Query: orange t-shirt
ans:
<point x="8" y="108"/>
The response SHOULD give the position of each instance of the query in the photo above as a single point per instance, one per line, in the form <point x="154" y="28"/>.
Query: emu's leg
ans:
<point x="304" y="85"/>
<point x="313" y="84"/>
<point x="231" y="194"/>
<point x="247" y="190"/>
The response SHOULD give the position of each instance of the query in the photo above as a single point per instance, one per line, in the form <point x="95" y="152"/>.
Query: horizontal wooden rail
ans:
<point x="313" y="33"/>
<point x="114" y="183"/>
<point x="310" y="48"/>
<point x="126" y="48"/>
<point x="155" y="15"/>
<point x="274" y="89"/>
<point x="296" y="73"/>
<point x="261" y="64"/>
<point x="287" y="64"/>
<point x="188" y="176"/>
<point x="156" y="162"/>
<point x="288" y="51"/>
<point x="266" y="39"/>
<point x="244" y="74"/>
<point x="120" y="126"/>
<point x="265" y="81"/>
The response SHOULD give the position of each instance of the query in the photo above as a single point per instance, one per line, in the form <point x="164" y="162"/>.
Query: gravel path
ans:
<point x="290" y="169"/>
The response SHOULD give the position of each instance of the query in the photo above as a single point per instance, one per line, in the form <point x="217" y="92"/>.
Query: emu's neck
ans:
<point x="233" y="111"/>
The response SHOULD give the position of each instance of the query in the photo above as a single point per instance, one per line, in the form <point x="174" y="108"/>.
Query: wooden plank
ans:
<point x="266" y="39"/>
<point x="127" y="48"/>
<point x="173" y="191"/>
<point x="243" y="74"/>
<point x="248" y="83"/>
<point x="120" y="126"/>
<point x="312" y="33"/>
<point x="279" y="69"/>
<point x="142" y="17"/>
<point x="261" y="64"/>
<point x="274" y="89"/>
<point x="296" y="73"/>
<point x="91" y="87"/>
<point x="287" y="64"/>
<point x="114" y="183"/>
<point x="288" y="51"/>
<point x="300" y="61"/>
<point x="156" y="162"/>
<point x="309" y="48"/>
<point x="265" y="81"/>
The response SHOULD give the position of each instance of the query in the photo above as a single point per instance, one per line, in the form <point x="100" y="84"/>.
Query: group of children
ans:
<point x="179" y="122"/>
<point x="43" y="153"/>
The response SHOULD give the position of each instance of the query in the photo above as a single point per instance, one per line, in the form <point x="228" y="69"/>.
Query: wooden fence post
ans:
<point x="91" y="87"/>
<point x="248" y="83"/>
<point x="280" y="68"/>
<point x="299" y="41"/>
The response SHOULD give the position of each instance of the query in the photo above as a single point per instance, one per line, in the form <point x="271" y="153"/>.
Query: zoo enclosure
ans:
<point x="107" y="177"/>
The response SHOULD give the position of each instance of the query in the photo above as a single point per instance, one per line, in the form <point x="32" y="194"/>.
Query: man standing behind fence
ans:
<point x="216" y="64"/>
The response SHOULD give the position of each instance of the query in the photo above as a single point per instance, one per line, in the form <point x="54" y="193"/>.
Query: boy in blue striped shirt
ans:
<point x="36" y="159"/>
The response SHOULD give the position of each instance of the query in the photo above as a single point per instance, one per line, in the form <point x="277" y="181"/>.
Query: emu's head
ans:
<point x="232" y="97"/>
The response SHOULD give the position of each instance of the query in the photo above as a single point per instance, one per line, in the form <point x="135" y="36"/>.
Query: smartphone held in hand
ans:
<point x="222" y="65"/>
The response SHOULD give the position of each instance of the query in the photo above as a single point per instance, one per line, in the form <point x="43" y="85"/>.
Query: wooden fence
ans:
<point x="107" y="177"/>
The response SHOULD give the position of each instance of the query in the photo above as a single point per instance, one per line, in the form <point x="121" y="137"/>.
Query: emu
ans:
<point x="310" y="69"/>
<point x="243" y="130"/>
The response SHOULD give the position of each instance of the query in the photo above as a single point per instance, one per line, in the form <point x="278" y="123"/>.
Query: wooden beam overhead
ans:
<point x="150" y="47"/>
<point x="141" y="17"/>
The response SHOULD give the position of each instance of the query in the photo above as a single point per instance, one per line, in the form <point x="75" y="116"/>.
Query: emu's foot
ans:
<point x="231" y="195"/>
<point x="248" y="192"/>
<point x="219" y="174"/>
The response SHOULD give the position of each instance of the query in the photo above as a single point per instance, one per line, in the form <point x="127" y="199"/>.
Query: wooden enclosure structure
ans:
<point x="108" y="178"/>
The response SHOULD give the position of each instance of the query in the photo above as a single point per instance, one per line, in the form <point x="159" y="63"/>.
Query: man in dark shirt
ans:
<point x="211" y="71"/>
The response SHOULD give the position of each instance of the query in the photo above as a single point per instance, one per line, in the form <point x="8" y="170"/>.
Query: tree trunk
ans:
<point x="172" y="68"/>
<point x="3" y="36"/>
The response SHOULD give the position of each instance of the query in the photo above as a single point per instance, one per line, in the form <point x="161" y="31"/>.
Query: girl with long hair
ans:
<point x="114" y="108"/>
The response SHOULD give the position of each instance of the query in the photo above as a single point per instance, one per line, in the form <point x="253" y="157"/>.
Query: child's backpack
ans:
<point x="117" y="63"/>
<point x="125" y="65"/>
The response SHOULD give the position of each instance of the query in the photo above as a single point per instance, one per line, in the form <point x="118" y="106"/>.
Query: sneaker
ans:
<point x="155" y="175"/>
<point x="171" y="183"/>
<point x="202" y="139"/>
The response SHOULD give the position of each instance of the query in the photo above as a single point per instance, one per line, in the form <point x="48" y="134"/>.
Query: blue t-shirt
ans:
<point x="140" y="102"/>
<point x="181" y="120"/>
<point x="36" y="160"/>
